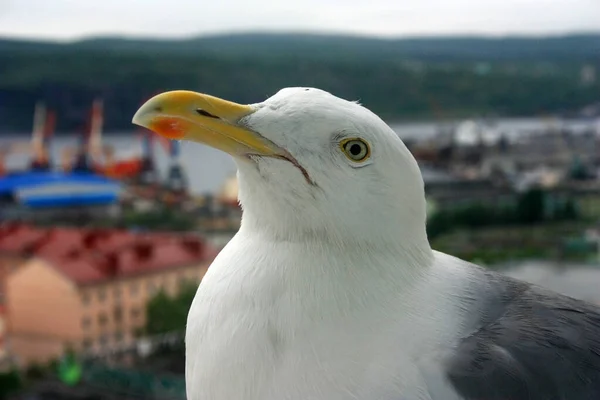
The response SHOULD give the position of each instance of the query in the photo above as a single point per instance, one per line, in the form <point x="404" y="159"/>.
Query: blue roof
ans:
<point x="11" y="182"/>
<point x="46" y="189"/>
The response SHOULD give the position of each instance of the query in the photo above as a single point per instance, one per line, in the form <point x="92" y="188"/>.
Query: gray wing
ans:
<point x="532" y="344"/>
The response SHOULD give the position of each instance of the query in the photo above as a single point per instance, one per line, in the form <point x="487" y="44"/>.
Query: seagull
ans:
<point x="330" y="290"/>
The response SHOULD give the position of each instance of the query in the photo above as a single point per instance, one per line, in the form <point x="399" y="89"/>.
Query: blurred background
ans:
<point x="106" y="230"/>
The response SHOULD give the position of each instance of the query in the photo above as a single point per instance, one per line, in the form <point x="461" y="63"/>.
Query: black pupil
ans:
<point x="355" y="149"/>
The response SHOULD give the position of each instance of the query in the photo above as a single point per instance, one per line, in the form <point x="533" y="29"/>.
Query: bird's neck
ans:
<point x="401" y="238"/>
<point x="316" y="280"/>
<point x="340" y="255"/>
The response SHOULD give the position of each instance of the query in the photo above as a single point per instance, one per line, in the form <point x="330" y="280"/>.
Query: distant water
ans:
<point x="513" y="127"/>
<point x="208" y="168"/>
<point x="576" y="280"/>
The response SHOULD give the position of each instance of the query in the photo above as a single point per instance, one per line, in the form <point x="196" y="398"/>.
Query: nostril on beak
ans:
<point x="205" y="113"/>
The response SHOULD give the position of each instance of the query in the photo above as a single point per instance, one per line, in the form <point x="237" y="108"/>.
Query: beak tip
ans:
<point x="138" y="119"/>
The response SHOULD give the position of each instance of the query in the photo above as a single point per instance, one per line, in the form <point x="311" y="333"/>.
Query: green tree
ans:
<point x="530" y="207"/>
<point x="469" y="216"/>
<point x="396" y="79"/>
<point x="10" y="382"/>
<point x="69" y="369"/>
<point x="570" y="210"/>
<point x="566" y="211"/>
<point x="164" y="218"/>
<point x="166" y="313"/>
<point x="441" y="222"/>
<point x="35" y="372"/>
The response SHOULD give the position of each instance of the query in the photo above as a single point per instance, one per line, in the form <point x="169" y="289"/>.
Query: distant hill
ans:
<point x="397" y="78"/>
<point x="570" y="47"/>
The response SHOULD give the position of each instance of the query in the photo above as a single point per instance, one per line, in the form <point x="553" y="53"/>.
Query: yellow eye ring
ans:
<point x="356" y="149"/>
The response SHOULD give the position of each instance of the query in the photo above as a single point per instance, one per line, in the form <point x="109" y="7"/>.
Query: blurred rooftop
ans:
<point x="89" y="255"/>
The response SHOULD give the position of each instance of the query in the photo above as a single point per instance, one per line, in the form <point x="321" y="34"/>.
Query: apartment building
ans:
<point x="86" y="289"/>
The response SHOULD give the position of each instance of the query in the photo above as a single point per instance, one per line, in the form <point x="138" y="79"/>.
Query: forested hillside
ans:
<point x="399" y="78"/>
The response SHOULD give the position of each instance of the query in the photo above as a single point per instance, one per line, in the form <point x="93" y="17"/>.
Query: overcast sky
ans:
<point x="71" y="19"/>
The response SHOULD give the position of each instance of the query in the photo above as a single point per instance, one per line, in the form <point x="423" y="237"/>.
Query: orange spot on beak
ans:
<point x="171" y="128"/>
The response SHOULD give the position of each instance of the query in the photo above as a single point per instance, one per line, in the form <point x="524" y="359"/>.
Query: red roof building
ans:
<point x="87" y="288"/>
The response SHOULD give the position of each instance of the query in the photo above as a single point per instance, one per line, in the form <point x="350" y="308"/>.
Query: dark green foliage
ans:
<point x="530" y="209"/>
<point x="412" y="78"/>
<point x="169" y="314"/>
<point x="52" y="365"/>
<point x="566" y="211"/>
<point x="160" y="314"/>
<point x="569" y="211"/>
<point x="35" y="372"/>
<point x="10" y="382"/>
<point x="440" y="223"/>
<point x="164" y="218"/>
<point x="312" y="46"/>
<point x="470" y="216"/>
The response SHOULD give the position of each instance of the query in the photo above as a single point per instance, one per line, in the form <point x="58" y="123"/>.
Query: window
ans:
<point x="87" y="344"/>
<point x="102" y="319"/>
<point x="117" y="292"/>
<point x="85" y="298"/>
<point x="103" y="340"/>
<point x="118" y="314"/>
<point x="102" y="294"/>
<point x="118" y="336"/>
<point x="151" y="287"/>
<point x="86" y="322"/>
<point x="134" y="288"/>
<point x="135" y="313"/>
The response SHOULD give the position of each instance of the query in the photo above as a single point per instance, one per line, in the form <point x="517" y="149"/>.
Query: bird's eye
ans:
<point x="355" y="149"/>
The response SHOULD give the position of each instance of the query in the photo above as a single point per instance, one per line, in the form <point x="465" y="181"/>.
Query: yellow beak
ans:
<point x="205" y="119"/>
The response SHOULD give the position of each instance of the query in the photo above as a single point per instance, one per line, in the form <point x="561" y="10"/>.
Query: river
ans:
<point x="576" y="280"/>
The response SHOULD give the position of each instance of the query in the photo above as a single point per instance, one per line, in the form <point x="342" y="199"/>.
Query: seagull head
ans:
<point x="310" y="165"/>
